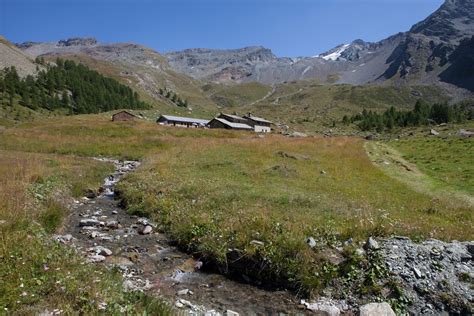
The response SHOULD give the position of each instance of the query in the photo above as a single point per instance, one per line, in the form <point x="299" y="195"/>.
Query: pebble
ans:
<point x="146" y="230"/>
<point x="183" y="292"/>
<point x="376" y="309"/>
<point x="311" y="242"/>
<point x="100" y="250"/>
<point x="322" y="306"/>
<point x="257" y="243"/>
<point x="417" y="272"/>
<point x="88" y="222"/>
<point x="372" y="244"/>
<point x="112" y="224"/>
<point x="96" y="258"/>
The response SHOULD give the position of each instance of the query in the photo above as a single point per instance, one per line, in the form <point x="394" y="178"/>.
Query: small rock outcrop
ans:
<point x="435" y="276"/>
<point x="376" y="309"/>
<point x="78" y="41"/>
<point x="434" y="132"/>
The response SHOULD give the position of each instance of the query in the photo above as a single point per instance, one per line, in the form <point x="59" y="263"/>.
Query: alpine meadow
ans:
<point x="156" y="180"/>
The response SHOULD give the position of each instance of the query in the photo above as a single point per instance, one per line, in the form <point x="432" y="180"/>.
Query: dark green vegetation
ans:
<point x="173" y="97"/>
<point x="422" y="114"/>
<point x="449" y="162"/>
<point x="67" y="86"/>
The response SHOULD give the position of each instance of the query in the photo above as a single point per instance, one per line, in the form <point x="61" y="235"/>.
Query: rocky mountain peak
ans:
<point x="453" y="21"/>
<point x="78" y="41"/>
<point x="350" y="52"/>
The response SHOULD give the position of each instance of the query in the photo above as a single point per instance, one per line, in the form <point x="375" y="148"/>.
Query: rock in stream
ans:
<point x="105" y="234"/>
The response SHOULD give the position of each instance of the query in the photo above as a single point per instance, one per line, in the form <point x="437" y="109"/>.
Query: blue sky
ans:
<point x="288" y="27"/>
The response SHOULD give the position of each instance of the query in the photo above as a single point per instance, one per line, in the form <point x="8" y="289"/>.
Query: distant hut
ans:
<point x="234" y="118"/>
<point x="123" y="116"/>
<point x="223" y="123"/>
<point x="181" y="121"/>
<point x="260" y="125"/>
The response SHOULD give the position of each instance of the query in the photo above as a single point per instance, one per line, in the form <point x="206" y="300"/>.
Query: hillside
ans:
<point x="313" y="107"/>
<point x="142" y="68"/>
<point x="10" y="55"/>
<point x="431" y="61"/>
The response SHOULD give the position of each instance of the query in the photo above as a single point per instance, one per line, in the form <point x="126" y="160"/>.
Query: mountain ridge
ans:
<point x="418" y="56"/>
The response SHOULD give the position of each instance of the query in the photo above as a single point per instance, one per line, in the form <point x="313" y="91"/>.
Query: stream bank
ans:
<point x="435" y="276"/>
<point x="104" y="233"/>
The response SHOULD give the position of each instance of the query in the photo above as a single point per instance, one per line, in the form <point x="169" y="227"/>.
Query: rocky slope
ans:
<point x="12" y="56"/>
<point x="139" y="67"/>
<point x="423" y="55"/>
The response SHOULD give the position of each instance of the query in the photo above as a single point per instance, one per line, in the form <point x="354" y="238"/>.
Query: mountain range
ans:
<point x="436" y="52"/>
<point x="429" y="53"/>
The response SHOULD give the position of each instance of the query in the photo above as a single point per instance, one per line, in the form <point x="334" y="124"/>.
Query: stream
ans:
<point x="105" y="234"/>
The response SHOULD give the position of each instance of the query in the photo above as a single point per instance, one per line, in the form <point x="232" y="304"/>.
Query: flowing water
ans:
<point x="105" y="234"/>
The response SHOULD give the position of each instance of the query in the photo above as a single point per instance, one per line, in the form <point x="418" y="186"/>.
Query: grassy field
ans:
<point x="448" y="161"/>
<point x="96" y="135"/>
<point x="241" y="201"/>
<point x="262" y="198"/>
<point x="37" y="273"/>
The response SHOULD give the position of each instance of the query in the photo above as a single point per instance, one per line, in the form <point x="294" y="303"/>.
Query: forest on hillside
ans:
<point x="422" y="114"/>
<point x="67" y="86"/>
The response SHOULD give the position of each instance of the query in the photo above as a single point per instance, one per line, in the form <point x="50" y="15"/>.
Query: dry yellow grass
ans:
<point x="37" y="273"/>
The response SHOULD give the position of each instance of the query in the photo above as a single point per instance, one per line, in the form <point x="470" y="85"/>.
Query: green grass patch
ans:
<point x="52" y="217"/>
<point x="448" y="161"/>
<point x="217" y="196"/>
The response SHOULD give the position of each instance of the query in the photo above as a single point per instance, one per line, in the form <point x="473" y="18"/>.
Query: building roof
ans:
<point x="233" y="125"/>
<point x="258" y="119"/>
<point x="124" y="112"/>
<point x="233" y="116"/>
<point x="185" y="119"/>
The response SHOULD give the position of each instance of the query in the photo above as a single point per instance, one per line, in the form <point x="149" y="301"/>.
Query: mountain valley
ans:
<point x="130" y="182"/>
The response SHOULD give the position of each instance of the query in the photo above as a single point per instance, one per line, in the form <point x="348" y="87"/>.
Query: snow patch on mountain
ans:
<point x="334" y="55"/>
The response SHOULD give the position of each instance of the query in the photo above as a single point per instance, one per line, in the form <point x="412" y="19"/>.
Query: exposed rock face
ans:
<point x="78" y="41"/>
<point x="349" y="52"/>
<point x="453" y="21"/>
<point x="12" y="56"/>
<point x="221" y="65"/>
<point x="435" y="276"/>
<point x="424" y="55"/>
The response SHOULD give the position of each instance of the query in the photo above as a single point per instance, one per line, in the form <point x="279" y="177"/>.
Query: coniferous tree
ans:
<point x="90" y="91"/>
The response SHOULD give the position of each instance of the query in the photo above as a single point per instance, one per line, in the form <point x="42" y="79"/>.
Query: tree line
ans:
<point x="422" y="114"/>
<point x="173" y="97"/>
<point x="70" y="86"/>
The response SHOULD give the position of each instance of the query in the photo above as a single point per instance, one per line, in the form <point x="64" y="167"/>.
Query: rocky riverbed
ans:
<point x="436" y="277"/>
<point x="105" y="234"/>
